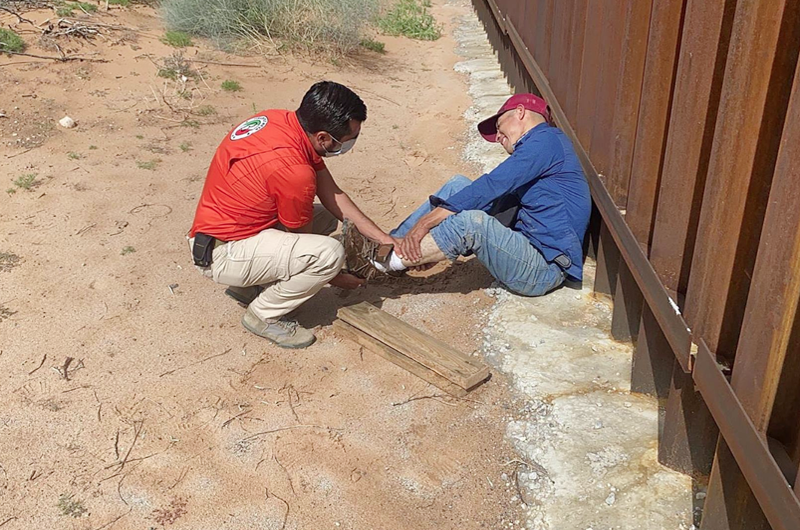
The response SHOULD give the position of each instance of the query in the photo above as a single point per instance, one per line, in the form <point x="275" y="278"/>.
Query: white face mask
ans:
<point x="344" y="147"/>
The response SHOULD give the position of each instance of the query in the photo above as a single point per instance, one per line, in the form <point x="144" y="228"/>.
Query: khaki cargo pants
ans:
<point x="292" y="267"/>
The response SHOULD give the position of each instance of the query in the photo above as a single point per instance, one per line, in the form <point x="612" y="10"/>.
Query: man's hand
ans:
<point x="396" y="241"/>
<point x="410" y="248"/>
<point x="347" y="281"/>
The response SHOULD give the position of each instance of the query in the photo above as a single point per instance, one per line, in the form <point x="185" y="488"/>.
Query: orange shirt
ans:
<point x="263" y="173"/>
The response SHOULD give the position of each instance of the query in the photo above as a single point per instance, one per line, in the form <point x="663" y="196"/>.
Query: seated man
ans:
<point x="257" y="228"/>
<point x="542" y="180"/>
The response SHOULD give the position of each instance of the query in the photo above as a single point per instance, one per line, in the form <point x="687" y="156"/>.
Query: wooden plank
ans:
<point x="421" y="347"/>
<point x="628" y="97"/>
<point x="768" y="336"/>
<point x="698" y="83"/>
<point x="390" y="354"/>
<point x="654" y="110"/>
<point x="748" y="446"/>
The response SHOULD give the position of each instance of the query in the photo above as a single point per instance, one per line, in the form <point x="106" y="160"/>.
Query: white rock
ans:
<point x="67" y="122"/>
<point x="611" y="499"/>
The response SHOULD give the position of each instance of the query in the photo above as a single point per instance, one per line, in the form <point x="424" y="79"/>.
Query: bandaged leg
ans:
<point x="431" y="253"/>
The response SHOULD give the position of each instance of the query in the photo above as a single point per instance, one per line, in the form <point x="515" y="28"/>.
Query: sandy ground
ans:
<point x="170" y="414"/>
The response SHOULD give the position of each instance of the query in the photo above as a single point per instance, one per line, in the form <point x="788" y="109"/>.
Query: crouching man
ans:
<point x="257" y="228"/>
<point x="540" y="190"/>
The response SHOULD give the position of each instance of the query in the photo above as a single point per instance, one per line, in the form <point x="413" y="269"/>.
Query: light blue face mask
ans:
<point x="343" y="147"/>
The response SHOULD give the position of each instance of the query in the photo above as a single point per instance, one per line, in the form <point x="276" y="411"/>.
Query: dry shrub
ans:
<point x="335" y="26"/>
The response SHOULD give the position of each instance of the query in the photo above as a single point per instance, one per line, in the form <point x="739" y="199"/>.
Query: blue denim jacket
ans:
<point x="544" y="176"/>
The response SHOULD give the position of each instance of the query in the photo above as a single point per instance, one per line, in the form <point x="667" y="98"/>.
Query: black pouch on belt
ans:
<point x="203" y="249"/>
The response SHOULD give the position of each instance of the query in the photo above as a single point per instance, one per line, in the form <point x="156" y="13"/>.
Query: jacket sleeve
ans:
<point x="536" y="158"/>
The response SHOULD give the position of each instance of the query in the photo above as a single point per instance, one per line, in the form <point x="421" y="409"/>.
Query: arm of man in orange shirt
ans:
<point x="336" y="201"/>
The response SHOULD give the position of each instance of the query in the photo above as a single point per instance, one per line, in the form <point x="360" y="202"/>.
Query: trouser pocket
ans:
<point x="258" y="260"/>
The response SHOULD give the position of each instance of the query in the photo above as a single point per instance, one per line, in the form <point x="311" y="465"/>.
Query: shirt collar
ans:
<point x="527" y="135"/>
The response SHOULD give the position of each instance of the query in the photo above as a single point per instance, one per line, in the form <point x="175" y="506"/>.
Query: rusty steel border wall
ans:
<point x="686" y="117"/>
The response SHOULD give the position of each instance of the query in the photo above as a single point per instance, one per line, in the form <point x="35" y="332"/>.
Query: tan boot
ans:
<point x="360" y="252"/>
<point x="283" y="332"/>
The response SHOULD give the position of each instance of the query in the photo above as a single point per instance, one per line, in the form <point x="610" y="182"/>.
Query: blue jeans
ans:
<point x="509" y="255"/>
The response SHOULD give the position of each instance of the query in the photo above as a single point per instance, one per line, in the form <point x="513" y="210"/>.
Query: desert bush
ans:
<point x="374" y="45"/>
<point x="334" y="25"/>
<point x="177" y="39"/>
<point x="10" y="41"/>
<point x="230" y="85"/>
<point x="410" y="18"/>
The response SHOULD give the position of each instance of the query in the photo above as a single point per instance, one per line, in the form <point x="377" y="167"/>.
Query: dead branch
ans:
<point x="180" y="477"/>
<point x="59" y="59"/>
<point x="81" y="387"/>
<point x="434" y="397"/>
<point x="291" y="484"/>
<point x="243" y="65"/>
<point x="108" y="524"/>
<point x="21" y="62"/>
<point x="12" y="518"/>
<point x="137" y="429"/>
<point x="19" y="19"/>
<point x="119" y="489"/>
<point x="40" y="365"/>
<point x="228" y="422"/>
<point x="256" y="435"/>
<point x="68" y="28"/>
<point x="286" y="515"/>
<point x="194" y="363"/>
<point x="289" y="390"/>
<point x="65" y="367"/>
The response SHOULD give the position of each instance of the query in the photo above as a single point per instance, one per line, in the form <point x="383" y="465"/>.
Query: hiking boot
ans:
<point x="360" y="252"/>
<point x="283" y="332"/>
<point x="244" y="295"/>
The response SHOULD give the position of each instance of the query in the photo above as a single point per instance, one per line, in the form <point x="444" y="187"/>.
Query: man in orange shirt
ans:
<point x="257" y="228"/>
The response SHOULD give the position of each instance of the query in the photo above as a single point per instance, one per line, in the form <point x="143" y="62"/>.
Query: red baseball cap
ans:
<point x="532" y="102"/>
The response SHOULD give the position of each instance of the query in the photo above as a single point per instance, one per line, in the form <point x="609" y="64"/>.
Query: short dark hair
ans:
<point x="329" y="106"/>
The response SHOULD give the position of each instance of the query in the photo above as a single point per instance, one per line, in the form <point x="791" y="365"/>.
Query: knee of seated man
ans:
<point x="459" y="181"/>
<point x="472" y="225"/>
<point x="473" y="219"/>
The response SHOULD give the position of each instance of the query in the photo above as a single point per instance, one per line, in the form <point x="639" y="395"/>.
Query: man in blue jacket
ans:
<point x="542" y="183"/>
